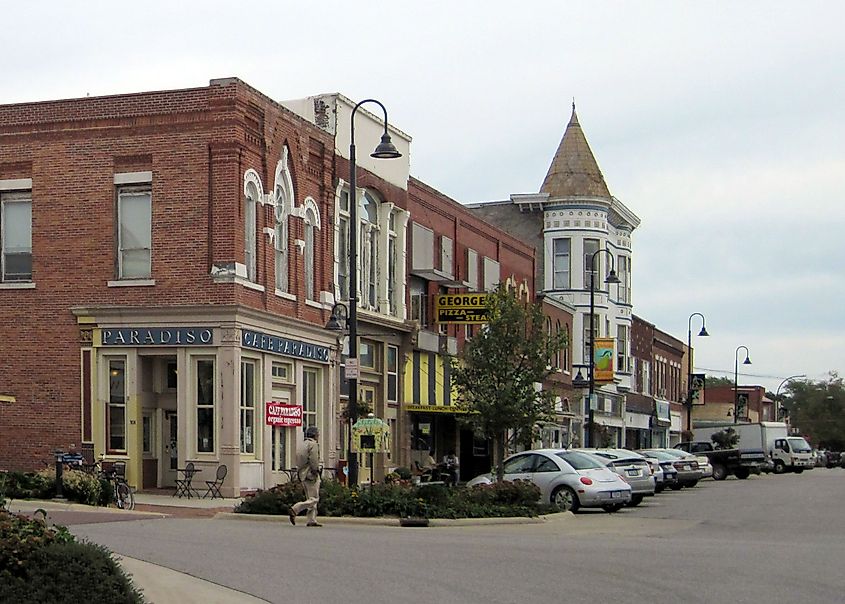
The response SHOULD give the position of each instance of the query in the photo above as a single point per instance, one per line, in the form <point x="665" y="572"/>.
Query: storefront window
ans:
<point x="116" y="422"/>
<point x="248" y="400"/>
<point x="310" y="385"/>
<point x="205" y="405"/>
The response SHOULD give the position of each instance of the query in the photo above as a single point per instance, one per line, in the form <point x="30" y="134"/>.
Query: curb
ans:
<point x="21" y="506"/>
<point x="397" y="522"/>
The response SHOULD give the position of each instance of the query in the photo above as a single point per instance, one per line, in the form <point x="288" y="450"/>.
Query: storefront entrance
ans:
<point x="158" y="389"/>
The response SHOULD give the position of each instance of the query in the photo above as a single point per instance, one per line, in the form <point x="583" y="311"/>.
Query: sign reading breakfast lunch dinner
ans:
<point x="463" y="309"/>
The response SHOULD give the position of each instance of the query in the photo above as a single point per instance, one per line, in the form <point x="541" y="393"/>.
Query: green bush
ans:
<point x="404" y="500"/>
<point x="404" y="473"/>
<point x="29" y="485"/>
<point x="82" y="487"/>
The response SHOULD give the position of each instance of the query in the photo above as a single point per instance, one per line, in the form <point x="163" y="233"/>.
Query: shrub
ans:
<point x="30" y="485"/>
<point x="404" y="473"/>
<point x="82" y="487"/>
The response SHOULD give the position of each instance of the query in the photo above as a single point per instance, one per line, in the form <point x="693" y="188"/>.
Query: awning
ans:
<point x="428" y="385"/>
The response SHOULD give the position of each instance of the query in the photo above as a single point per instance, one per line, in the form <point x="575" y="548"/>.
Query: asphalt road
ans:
<point x="767" y="539"/>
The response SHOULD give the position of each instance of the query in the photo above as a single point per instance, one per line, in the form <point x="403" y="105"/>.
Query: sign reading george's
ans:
<point x="462" y="309"/>
<point x="283" y="415"/>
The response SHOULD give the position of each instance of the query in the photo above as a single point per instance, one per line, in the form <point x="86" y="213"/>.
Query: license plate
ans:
<point x="633" y="472"/>
<point x="686" y="467"/>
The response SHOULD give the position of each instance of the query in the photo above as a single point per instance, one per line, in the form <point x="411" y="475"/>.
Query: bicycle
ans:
<point x="124" y="498"/>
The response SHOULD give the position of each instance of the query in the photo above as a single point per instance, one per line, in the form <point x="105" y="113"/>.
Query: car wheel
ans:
<point x="691" y="484"/>
<point x="720" y="472"/>
<point x="779" y="467"/>
<point x="677" y="486"/>
<point x="566" y="499"/>
<point x="742" y="473"/>
<point x="635" y="501"/>
<point x="610" y="509"/>
<point x="799" y="470"/>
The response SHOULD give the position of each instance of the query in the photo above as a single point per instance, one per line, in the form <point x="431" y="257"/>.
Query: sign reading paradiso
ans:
<point x="283" y="346"/>
<point x="157" y="336"/>
<point x="463" y="309"/>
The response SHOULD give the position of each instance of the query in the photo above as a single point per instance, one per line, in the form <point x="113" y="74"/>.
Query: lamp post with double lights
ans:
<point x="747" y="361"/>
<point x="778" y="406"/>
<point x="703" y="332"/>
<point x="611" y="278"/>
<point x="384" y="150"/>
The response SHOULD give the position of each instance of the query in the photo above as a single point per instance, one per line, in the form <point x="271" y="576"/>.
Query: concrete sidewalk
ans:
<point x="163" y="585"/>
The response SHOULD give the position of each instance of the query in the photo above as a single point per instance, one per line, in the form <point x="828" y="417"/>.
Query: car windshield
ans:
<point x="661" y="455"/>
<point x="677" y="453"/>
<point x="579" y="461"/>
<point x="799" y="445"/>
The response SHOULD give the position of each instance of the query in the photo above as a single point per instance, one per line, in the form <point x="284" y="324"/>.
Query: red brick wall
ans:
<point x="198" y="143"/>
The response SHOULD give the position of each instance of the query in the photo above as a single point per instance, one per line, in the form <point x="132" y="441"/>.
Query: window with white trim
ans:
<point x="392" y="266"/>
<point x="368" y="245"/>
<point x="116" y="409"/>
<point x="591" y="246"/>
<point x="134" y="232"/>
<point x="204" y="400"/>
<point x="623" y="272"/>
<point x="310" y="395"/>
<point x="249" y="401"/>
<point x="16" y="236"/>
<point x="588" y="337"/>
<point x="310" y="227"/>
<point x="280" y="238"/>
<point x="622" y="348"/>
<point x="392" y="374"/>
<point x="343" y="246"/>
<point x="561" y="278"/>
<point x="250" y="221"/>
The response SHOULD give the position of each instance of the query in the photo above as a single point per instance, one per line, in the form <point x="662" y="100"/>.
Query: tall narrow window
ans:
<point x="391" y="265"/>
<point x="205" y="405"/>
<point x="247" y="410"/>
<point x="310" y="394"/>
<point x="310" y="226"/>
<point x="567" y="362"/>
<point x="588" y="337"/>
<point x="368" y="245"/>
<point x="622" y="348"/>
<point x="561" y="264"/>
<point x="116" y="415"/>
<point x="392" y="374"/>
<point x="250" y="201"/>
<point x="16" y="236"/>
<point x="134" y="232"/>
<point x="343" y="246"/>
<point x="280" y="239"/>
<point x="591" y="246"/>
<point x="624" y="278"/>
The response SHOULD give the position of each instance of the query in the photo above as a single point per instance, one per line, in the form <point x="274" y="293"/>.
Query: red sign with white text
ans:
<point x="283" y="414"/>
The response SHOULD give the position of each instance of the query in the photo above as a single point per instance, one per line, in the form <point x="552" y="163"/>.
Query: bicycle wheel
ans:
<point x="123" y="496"/>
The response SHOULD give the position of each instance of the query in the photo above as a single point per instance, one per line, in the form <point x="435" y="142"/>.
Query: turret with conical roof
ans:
<point x="574" y="171"/>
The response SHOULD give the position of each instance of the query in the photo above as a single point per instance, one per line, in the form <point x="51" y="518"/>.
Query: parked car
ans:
<point x="568" y="479"/>
<point x="657" y="472"/>
<point x="632" y="466"/>
<point x="687" y="466"/>
<point x="667" y="464"/>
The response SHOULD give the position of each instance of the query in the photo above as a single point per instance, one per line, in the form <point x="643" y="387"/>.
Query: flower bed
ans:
<point x="405" y="500"/>
<point x="77" y="486"/>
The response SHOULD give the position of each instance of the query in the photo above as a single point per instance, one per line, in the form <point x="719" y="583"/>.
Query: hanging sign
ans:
<point x="370" y="435"/>
<point x="283" y="415"/>
<point x="464" y="309"/>
<point x="697" y="389"/>
<point x="603" y="360"/>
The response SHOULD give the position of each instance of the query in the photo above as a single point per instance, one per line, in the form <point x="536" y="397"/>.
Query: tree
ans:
<point x="711" y="381"/>
<point x="817" y="410"/>
<point x="497" y="372"/>
<point x="725" y="439"/>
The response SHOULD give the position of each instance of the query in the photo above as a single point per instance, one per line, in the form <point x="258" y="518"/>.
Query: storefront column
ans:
<point x="228" y="396"/>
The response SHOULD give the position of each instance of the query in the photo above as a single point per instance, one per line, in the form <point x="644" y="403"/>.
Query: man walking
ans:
<point x="308" y="468"/>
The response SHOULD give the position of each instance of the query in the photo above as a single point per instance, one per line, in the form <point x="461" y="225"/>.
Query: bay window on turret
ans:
<point x="591" y="273"/>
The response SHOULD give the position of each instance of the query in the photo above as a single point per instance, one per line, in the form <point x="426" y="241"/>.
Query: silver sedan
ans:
<point x="568" y="479"/>
<point x="632" y="466"/>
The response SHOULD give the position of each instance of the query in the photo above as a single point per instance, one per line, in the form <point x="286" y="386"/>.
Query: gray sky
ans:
<point x="719" y="124"/>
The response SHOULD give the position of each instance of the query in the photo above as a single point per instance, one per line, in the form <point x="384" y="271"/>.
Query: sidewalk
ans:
<point x="162" y="585"/>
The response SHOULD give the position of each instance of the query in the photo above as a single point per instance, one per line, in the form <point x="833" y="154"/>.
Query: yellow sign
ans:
<point x="603" y="360"/>
<point x="463" y="309"/>
<point x="432" y="409"/>
<point x="370" y="435"/>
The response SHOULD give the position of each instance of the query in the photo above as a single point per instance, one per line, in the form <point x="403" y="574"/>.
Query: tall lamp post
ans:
<point x="611" y="278"/>
<point x="747" y="361"/>
<point x="384" y="150"/>
<point x="777" y="394"/>
<point x="703" y="332"/>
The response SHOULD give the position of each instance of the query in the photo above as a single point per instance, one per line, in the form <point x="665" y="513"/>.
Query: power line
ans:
<point x="728" y="372"/>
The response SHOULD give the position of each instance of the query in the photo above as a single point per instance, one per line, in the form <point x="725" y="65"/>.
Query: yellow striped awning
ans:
<point x="428" y="385"/>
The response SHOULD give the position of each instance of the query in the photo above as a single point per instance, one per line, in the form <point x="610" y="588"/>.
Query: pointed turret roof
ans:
<point x="574" y="171"/>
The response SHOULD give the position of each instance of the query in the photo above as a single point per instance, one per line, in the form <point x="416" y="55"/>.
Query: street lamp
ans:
<point x="611" y="278"/>
<point x="747" y="361"/>
<point x="384" y="150"/>
<point x="703" y="332"/>
<point x="777" y="394"/>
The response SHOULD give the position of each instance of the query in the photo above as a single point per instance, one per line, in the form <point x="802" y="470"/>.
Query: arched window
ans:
<point x="565" y="361"/>
<point x="368" y="246"/>
<point x="252" y="196"/>
<point x="283" y="198"/>
<point x="312" y="223"/>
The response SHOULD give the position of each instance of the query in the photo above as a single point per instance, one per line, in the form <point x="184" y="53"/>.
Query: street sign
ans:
<point x="352" y="372"/>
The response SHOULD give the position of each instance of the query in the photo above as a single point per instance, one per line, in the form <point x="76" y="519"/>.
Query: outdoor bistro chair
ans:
<point x="214" y="485"/>
<point x="183" y="485"/>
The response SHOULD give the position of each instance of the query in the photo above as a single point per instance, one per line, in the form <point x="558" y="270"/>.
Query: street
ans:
<point x="765" y="539"/>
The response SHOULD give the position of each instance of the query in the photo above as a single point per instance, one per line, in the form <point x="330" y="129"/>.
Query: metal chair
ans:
<point x="214" y="485"/>
<point x="183" y="485"/>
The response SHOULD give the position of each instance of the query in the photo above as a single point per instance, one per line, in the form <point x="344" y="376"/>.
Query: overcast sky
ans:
<point x="721" y="125"/>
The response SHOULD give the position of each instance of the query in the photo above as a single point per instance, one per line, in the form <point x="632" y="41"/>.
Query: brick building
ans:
<point x="202" y="238"/>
